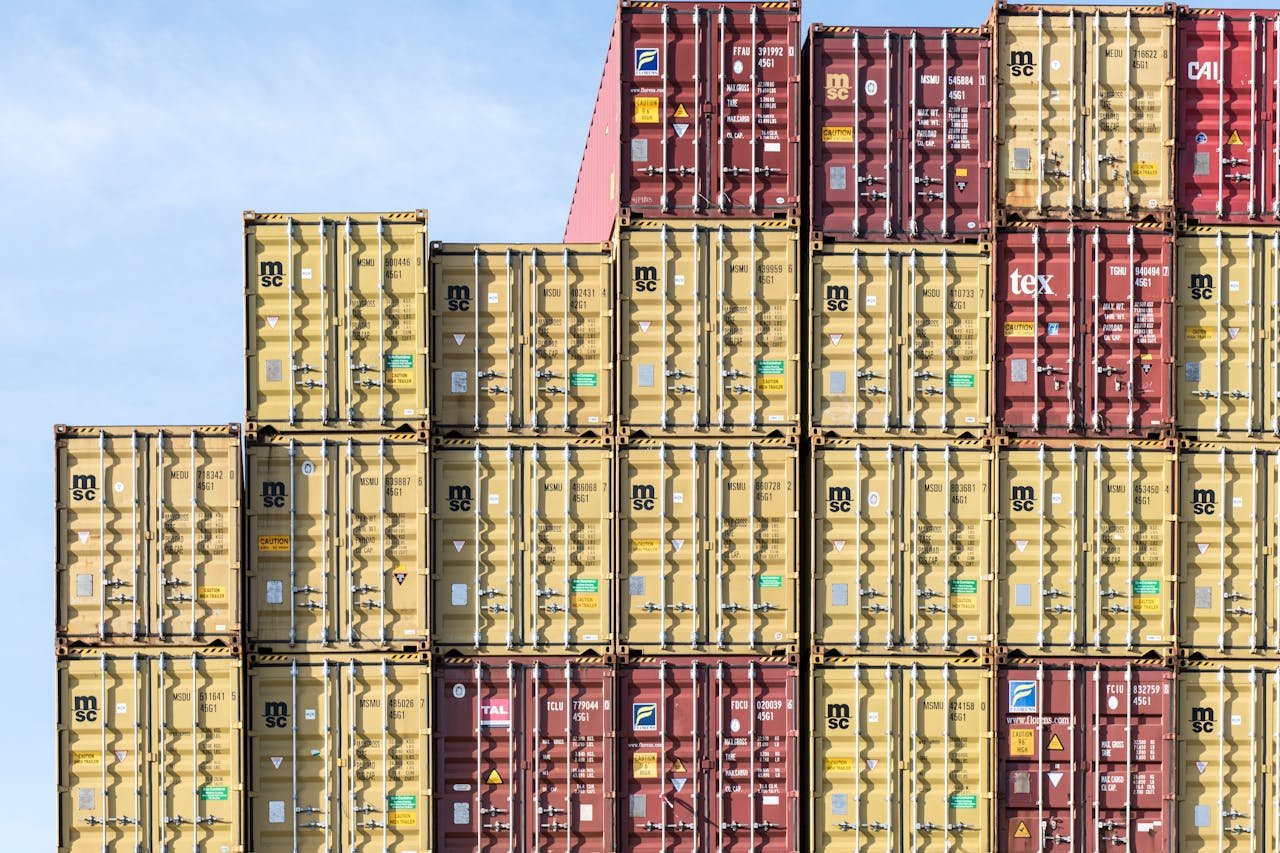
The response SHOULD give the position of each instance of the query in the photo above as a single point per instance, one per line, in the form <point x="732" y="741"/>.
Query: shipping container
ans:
<point x="1084" y="111"/>
<point x="901" y="547"/>
<point x="524" y="755"/>
<point x="1228" y="532"/>
<point x="149" y="751"/>
<point x="521" y="338"/>
<point x="708" y="326"/>
<point x="899" y="133"/>
<point x="1228" y="358"/>
<point x="1227" y="143"/>
<point x="338" y="302"/>
<point x="900" y="340"/>
<point x="708" y="546"/>
<point x="708" y="755"/>
<point x="685" y="123"/>
<point x="148" y="527"/>
<point x="522" y="534"/>
<point x="340" y="753"/>
<point x="1084" y="330"/>
<point x="337" y="538"/>
<point x="1084" y="548"/>
<point x="1228" y="745"/>
<point x="901" y="754"/>
<point x="1085" y="756"/>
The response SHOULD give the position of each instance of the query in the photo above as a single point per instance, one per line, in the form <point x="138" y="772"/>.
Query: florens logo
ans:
<point x="1023" y="697"/>
<point x="647" y="62"/>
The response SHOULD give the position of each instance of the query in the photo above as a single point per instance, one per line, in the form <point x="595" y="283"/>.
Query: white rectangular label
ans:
<point x="458" y="594"/>
<point x="275" y="592"/>
<point x="275" y="811"/>
<point x="458" y="382"/>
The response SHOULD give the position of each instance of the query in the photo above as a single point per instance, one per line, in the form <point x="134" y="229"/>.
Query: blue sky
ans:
<point x="132" y="135"/>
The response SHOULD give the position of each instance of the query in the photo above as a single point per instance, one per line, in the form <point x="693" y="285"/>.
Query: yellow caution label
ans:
<point x="400" y="378"/>
<point x="964" y="603"/>
<point x="1022" y="742"/>
<point x="494" y="778"/>
<point x="1022" y="831"/>
<point x="273" y="543"/>
<point x="1055" y="744"/>
<point x="644" y="546"/>
<point x="1234" y="138"/>
<point x="681" y="112"/>
<point x="1020" y="329"/>
<point x="79" y="756"/>
<point x="211" y="593"/>
<point x="644" y="765"/>
<point x="1148" y="604"/>
<point x="839" y="765"/>
<point x="1145" y="169"/>
<point x="584" y="601"/>
<point x="962" y="172"/>
<point x="402" y="819"/>
<point x="771" y="383"/>
<point x="647" y="110"/>
<point x="837" y="133"/>
<point x="1200" y="333"/>
<point x="678" y="766"/>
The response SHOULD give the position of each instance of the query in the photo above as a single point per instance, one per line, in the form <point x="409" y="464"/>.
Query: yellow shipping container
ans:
<point x="335" y="320"/>
<point x="149" y="751"/>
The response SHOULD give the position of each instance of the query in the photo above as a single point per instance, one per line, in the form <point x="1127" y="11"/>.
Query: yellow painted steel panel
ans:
<point x="148" y="534"/>
<point x="522" y="338"/>
<point x="901" y="339"/>
<point x="902" y="755"/>
<point x="901" y="545"/>
<point x="337" y="540"/>
<point x="335" y="320"/>
<point x="523" y="544"/>
<point x="1084" y="107"/>
<point x="340" y="752"/>
<point x="708" y="326"/>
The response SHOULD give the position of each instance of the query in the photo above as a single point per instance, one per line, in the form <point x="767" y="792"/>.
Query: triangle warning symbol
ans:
<point x="120" y="754"/>
<point x="1232" y="332"/>
<point x="276" y="761"/>
<point x="458" y="543"/>
<point x="1234" y="139"/>
<point x="1022" y="831"/>
<point x="678" y="783"/>
<point x="1021" y="545"/>
<point x="458" y="339"/>
<point x="493" y="778"/>
<point x="677" y="544"/>
<point x="835" y="338"/>
<point x="644" y="325"/>
<point x="1202" y="766"/>
<point x="1054" y="778"/>
<point x="681" y="112"/>
<point x="680" y="129"/>
<point x="678" y="767"/>
<point x="1055" y="744"/>
<point x="872" y="762"/>
<point x="271" y="322"/>
<point x="399" y="576"/>
<point x="82" y="535"/>
<point x="839" y="545"/>
<point x="1202" y="548"/>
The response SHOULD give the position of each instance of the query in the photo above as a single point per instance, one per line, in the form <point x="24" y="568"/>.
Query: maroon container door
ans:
<point x="523" y="756"/>
<point x="707" y="752"/>
<point x="1086" y="757"/>
<point x="1227" y="154"/>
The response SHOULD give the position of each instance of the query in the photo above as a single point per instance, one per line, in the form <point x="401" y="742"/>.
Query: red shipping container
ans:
<point x="685" y="123"/>
<point x="523" y="755"/>
<point x="1229" y="138"/>
<point x="708" y="756"/>
<point x="1086" y="756"/>
<point x="1084" y="330"/>
<point x="882" y="103"/>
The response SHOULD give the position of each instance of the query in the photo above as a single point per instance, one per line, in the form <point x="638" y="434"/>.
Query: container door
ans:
<point x="1041" y="576"/>
<point x="290" y="286"/>
<point x="1041" y="764"/>
<point x="477" y="567"/>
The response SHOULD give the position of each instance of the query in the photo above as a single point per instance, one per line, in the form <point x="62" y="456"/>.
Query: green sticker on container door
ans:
<point x="769" y="368"/>
<point x="209" y="793"/>
<point x="965" y="592"/>
<point x="582" y="380"/>
<point x="584" y="593"/>
<point x="959" y="380"/>
<point x="396" y="361"/>
<point x="1146" y="596"/>
<point x="402" y="802"/>
<point x="771" y="581"/>
<point x="963" y="801"/>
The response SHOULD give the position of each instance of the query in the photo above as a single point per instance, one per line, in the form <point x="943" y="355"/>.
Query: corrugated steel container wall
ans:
<point x="524" y="755"/>
<point x="1084" y="111"/>
<point x="522" y="535"/>
<point x="901" y="754"/>
<point x="707" y="546"/>
<point x="709" y="336"/>
<point x="340" y="752"/>
<point x="901" y="546"/>
<point x="335" y="320"/>
<point x="148" y="534"/>
<point x="1228" y="531"/>
<point x="1228" y="744"/>
<point x="1228" y="304"/>
<point x="900" y="339"/>
<point x="337" y="539"/>
<point x="1084" y="756"/>
<point x="685" y="122"/>
<point x="521" y="338"/>
<point x="708" y="755"/>
<point x="1084" y="546"/>
<point x="1228" y="150"/>
<point x="899" y="133"/>
<point x="1084" y="330"/>
<point x="149" y="751"/>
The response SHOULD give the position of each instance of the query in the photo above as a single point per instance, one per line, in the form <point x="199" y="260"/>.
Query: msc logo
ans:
<point x="1022" y="696"/>
<point x="642" y="497"/>
<point x="458" y="297"/>
<point x="837" y="715"/>
<point x="837" y="87"/>
<point x="459" y="498"/>
<point x="1030" y="284"/>
<point x="644" y="716"/>
<point x="84" y="487"/>
<point x="646" y="62"/>
<point x="1022" y="498"/>
<point x="646" y="279"/>
<point x="1021" y="63"/>
<point x="273" y="495"/>
<point x="275" y="714"/>
<point x="1204" y="502"/>
<point x="1201" y="286"/>
<point x="839" y="499"/>
<point x="1202" y="720"/>
<point x="837" y="297"/>
<point x="270" y="273"/>
<point x="1202" y="71"/>
<point x="85" y="709"/>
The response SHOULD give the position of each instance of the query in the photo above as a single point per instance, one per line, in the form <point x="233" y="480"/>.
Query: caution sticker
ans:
<point x="1234" y="138"/>
<point x="402" y="819"/>
<point x="837" y="133"/>
<point x="273" y="543"/>
<point x="647" y="111"/>
<point x="584" y="601"/>
<point x="211" y="593"/>
<point x="681" y="112"/>
<point x="839" y="765"/>
<point x="400" y="378"/>
<point x="1146" y="596"/>
<point x="771" y="383"/>
<point x="1055" y="743"/>
<point x="644" y="546"/>
<point x="644" y="765"/>
<point x="964" y="594"/>
<point x="1200" y="333"/>
<point x="493" y="777"/>
<point x="81" y="756"/>
<point x="1022" y="742"/>
<point x="1145" y="169"/>
<point x="1021" y="831"/>
<point x="1020" y="329"/>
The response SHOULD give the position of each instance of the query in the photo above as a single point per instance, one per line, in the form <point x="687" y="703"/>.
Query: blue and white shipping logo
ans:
<point x="1022" y="697"/>
<point x="644" y="716"/>
<point x="646" y="62"/>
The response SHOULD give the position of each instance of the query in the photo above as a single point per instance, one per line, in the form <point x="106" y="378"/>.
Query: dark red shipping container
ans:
<point x="1086" y="756"/>
<point x="708" y="756"/>
<point x="899" y="125"/>
<point x="1228" y="136"/>
<point x="1084" y="330"/>
<point x="523" y="755"/>
<point x="697" y="114"/>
